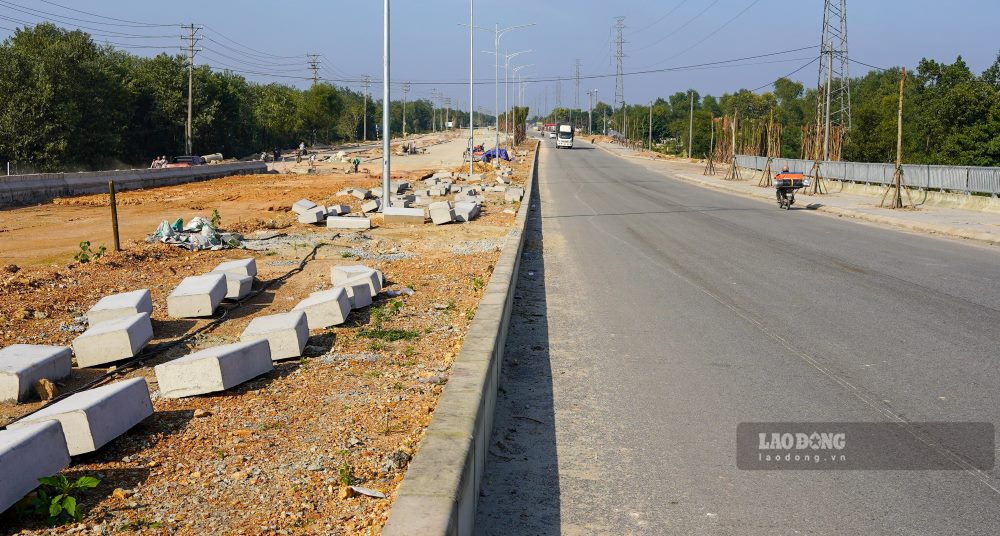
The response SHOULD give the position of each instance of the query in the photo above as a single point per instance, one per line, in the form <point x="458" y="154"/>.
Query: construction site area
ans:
<point x="364" y="309"/>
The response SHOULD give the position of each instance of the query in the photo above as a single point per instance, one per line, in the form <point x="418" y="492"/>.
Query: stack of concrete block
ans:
<point x="197" y="296"/>
<point x="399" y="187"/>
<point x="286" y="333"/>
<point x="214" y="369"/>
<point x="118" y="306"/>
<point x="337" y="210"/>
<point x="357" y="192"/>
<point x="342" y="275"/>
<point x="93" y="418"/>
<point x="466" y="211"/>
<point x="239" y="277"/>
<point x="348" y="222"/>
<point x="440" y="190"/>
<point x="403" y="216"/>
<point x="371" y="206"/>
<point x="113" y="340"/>
<point x="513" y="194"/>
<point x="470" y="194"/>
<point x="316" y="214"/>
<point x="441" y="212"/>
<point x="325" y="308"/>
<point x="28" y="453"/>
<point x="21" y="365"/>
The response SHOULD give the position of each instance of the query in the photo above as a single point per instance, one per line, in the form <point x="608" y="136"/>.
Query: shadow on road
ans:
<point x="520" y="493"/>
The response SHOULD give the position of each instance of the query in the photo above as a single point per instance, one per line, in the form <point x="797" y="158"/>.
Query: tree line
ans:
<point x="951" y="116"/>
<point x="67" y="103"/>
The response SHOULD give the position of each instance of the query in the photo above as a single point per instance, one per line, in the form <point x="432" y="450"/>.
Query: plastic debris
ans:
<point x="198" y="234"/>
<point x="368" y="492"/>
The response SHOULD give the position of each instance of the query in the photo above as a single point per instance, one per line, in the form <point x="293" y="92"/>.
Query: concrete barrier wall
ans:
<point x="440" y="491"/>
<point x="41" y="187"/>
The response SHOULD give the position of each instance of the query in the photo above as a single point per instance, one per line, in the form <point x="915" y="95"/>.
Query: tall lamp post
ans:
<point x="499" y="32"/>
<point x="386" y="131"/>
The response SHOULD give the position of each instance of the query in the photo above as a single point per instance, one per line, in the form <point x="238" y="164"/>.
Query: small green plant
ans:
<point x="451" y="306"/>
<point x="409" y="350"/>
<point x="478" y="283"/>
<point x="86" y="254"/>
<point x="375" y="373"/>
<point x="216" y="218"/>
<point x="398" y="386"/>
<point x="346" y="474"/>
<point x="380" y="314"/>
<point x="54" y="498"/>
<point x="346" y="254"/>
<point x="470" y="314"/>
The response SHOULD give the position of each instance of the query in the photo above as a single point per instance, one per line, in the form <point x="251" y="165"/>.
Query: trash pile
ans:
<point x="198" y="234"/>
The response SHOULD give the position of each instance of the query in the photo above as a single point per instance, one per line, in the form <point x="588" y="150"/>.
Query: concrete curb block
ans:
<point x="440" y="492"/>
<point x="927" y="228"/>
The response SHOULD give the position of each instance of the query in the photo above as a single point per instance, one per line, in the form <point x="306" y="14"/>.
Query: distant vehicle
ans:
<point x="565" y="137"/>
<point x="185" y="161"/>
<point x="552" y="134"/>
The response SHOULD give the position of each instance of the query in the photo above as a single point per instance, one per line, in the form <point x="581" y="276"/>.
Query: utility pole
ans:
<point x="188" y="131"/>
<point x="576" y="103"/>
<point x="472" y="84"/>
<point x="366" y="81"/>
<point x="650" y="125"/>
<point x="386" y="102"/>
<point x="691" y="126"/>
<point x="313" y="60"/>
<point x="590" y="112"/>
<point x="406" y="89"/>
<point x="447" y="113"/>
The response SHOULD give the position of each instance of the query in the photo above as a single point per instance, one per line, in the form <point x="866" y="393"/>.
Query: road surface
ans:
<point x="652" y="316"/>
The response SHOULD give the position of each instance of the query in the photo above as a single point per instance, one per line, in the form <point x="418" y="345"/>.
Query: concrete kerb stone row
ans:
<point x="286" y="333"/>
<point x="118" y="306"/>
<point x="197" y="296"/>
<point x="325" y="308"/>
<point x="238" y="286"/>
<point x="241" y="266"/>
<point x="113" y="340"/>
<point x="439" y="493"/>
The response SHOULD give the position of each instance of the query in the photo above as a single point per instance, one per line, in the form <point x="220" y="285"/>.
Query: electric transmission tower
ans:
<point x="558" y="93"/>
<point x="620" y="56"/>
<point x="366" y="82"/>
<point x="833" y="106"/>
<point x="313" y="60"/>
<point x="576" y="102"/>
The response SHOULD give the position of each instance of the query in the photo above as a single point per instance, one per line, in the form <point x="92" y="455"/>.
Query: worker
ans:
<point x="302" y="148"/>
<point x="784" y="168"/>
<point x="356" y="162"/>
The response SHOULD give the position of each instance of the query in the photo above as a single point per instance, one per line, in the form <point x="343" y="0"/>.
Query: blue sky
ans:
<point x="430" y="45"/>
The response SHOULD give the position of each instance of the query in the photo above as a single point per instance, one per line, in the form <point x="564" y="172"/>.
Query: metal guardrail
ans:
<point x="966" y="179"/>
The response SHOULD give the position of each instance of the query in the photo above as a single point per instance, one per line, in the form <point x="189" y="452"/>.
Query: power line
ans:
<point x="56" y="18"/>
<point x="709" y="36"/>
<point x="657" y="21"/>
<point x="679" y="28"/>
<point x="771" y="83"/>
<point x="220" y="34"/>
<point x="108" y="18"/>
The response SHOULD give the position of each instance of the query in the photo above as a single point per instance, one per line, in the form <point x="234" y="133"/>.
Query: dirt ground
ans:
<point x="269" y="456"/>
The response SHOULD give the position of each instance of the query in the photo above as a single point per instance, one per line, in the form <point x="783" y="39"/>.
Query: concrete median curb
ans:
<point x="927" y="228"/>
<point x="440" y="492"/>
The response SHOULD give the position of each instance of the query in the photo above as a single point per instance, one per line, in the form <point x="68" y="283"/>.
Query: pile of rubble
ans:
<point x="414" y="204"/>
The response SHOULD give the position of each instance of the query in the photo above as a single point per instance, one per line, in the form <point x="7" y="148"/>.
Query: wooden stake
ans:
<point x="114" y="215"/>
<point x="897" y="180"/>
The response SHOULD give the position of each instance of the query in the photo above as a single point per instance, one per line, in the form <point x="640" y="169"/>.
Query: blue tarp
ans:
<point x="492" y="153"/>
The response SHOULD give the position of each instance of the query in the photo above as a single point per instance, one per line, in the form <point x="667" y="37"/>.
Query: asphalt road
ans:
<point x="652" y="316"/>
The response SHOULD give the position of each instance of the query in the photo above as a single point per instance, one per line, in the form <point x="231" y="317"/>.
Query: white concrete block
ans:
<point x="27" y="454"/>
<point x="513" y="194"/>
<point x="21" y="365"/>
<point x="466" y="211"/>
<point x="375" y="192"/>
<point x="237" y="285"/>
<point x="286" y="333"/>
<point x="438" y="191"/>
<point x="197" y="296"/>
<point x="360" y="194"/>
<point x="314" y="215"/>
<point x="359" y="291"/>
<point x="403" y="216"/>
<point x="303" y="205"/>
<point x="441" y="212"/>
<point x="348" y="222"/>
<point x="214" y="369"/>
<point x="337" y="210"/>
<point x="342" y="274"/>
<point x="503" y="179"/>
<point x="120" y="305"/>
<point x="325" y="308"/>
<point x="371" y="206"/>
<point x="113" y="340"/>
<point x="93" y="418"/>
<point x="241" y="266"/>
<point x="442" y="175"/>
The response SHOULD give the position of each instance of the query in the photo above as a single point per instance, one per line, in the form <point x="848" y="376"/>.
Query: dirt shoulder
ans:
<point x="267" y="457"/>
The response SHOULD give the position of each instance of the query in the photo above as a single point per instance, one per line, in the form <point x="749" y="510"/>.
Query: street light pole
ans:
<point x="506" y="86"/>
<point x="386" y="94"/>
<point x="472" y="83"/>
